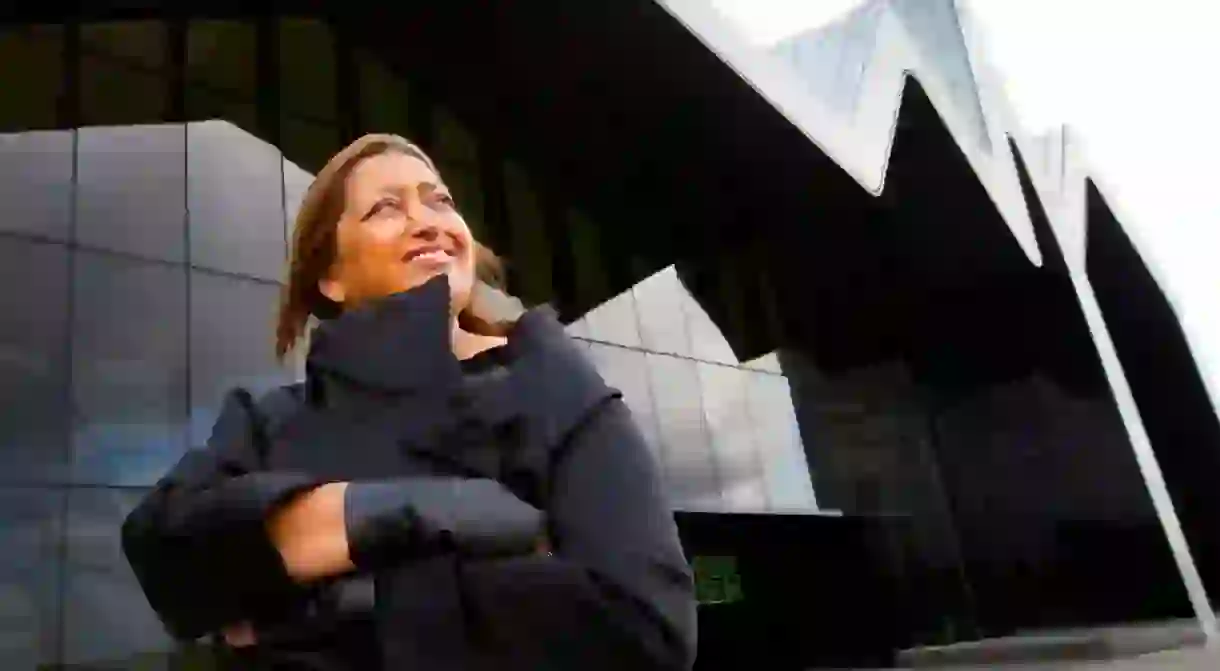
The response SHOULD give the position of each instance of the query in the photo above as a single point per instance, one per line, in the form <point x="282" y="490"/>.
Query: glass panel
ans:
<point x="128" y="369"/>
<point x="383" y="97"/>
<point x="309" y="145"/>
<point x="530" y="252"/>
<point x="938" y="35"/>
<point x="221" y="54"/>
<point x="107" y="620"/>
<point x="33" y="332"/>
<point x="463" y="182"/>
<point x="707" y="341"/>
<point x="689" y="467"/>
<point x="777" y="436"/>
<point x="31" y="61"/>
<point x="30" y="532"/>
<point x="231" y="344"/>
<point x="626" y="371"/>
<point x="131" y="190"/>
<point x="457" y="157"/>
<point x="659" y="303"/>
<point x="578" y="328"/>
<point x="296" y="183"/>
<point x="832" y="61"/>
<point x="139" y="43"/>
<point x="236" y="200"/>
<point x="615" y="321"/>
<point x="36" y="183"/>
<point x="307" y="69"/>
<point x="767" y="362"/>
<point x="730" y="297"/>
<point x="731" y="429"/>
<point x="205" y="104"/>
<point x="115" y="94"/>
<point x="592" y="285"/>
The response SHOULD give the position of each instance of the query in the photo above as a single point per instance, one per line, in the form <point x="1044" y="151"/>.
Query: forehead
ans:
<point x="393" y="169"/>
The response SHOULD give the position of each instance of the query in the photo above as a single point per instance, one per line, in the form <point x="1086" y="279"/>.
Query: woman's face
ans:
<point x="399" y="228"/>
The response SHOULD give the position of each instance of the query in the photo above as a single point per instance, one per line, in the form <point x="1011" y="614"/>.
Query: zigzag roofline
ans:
<point x="862" y="142"/>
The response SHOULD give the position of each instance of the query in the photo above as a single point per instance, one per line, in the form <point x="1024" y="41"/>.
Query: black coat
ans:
<point x="383" y="397"/>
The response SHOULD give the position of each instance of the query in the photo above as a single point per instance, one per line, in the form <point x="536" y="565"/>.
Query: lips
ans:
<point x="434" y="253"/>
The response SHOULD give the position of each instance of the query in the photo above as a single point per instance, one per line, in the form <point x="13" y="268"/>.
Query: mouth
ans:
<point x="430" y="253"/>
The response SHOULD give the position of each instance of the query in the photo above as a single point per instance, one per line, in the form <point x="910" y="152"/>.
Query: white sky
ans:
<point x="1139" y="83"/>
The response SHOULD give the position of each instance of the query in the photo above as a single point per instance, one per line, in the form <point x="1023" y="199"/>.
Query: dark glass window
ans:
<point x="383" y="97"/>
<point x="232" y="344"/>
<point x="626" y="370"/>
<point x="689" y="466"/>
<point x="36" y="183"/>
<point x="128" y="369"/>
<point x="33" y="375"/>
<point x="308" y="144"/>
<point x="123" y="73"/>
<point x="31" y="63"/>
<point x="660" y="300"/>
<point x="220" y="55"/>
<point x="30" y="532"/>
<point x="307" y="69"/>
<point x="456" y="154"/>
<point x="530" y="252"/>
<point x="235" y="198"/>
<point x="221" y="74"/>
<point x="107" y="620"/>
<point x="131" y="190"/>
<point x="140" y="44"/>
<point x="784" y="466"/>
<point x="592" y="284"/>
<point x="730" y="428"/>
<point x="114" y="94"/>
<point x="204" y="104"/>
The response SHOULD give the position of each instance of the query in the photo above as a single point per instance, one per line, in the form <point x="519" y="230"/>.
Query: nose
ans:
<point x="425" y="231"/>
<point x="422" y="223"/>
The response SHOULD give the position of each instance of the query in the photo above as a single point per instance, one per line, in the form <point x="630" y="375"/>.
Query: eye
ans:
<point x="381" y="205"/>
<point x="446" y="199"/>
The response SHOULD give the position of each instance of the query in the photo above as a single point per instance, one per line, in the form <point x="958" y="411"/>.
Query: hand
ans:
<point x="491" y="312"/>
<point x="239" y="635"/>
<point x="310" y="534"/>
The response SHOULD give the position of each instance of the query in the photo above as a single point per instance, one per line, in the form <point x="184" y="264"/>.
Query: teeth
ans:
<point x="434" y="255"/>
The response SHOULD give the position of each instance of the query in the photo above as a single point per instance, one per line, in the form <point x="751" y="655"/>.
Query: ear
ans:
<point x="332" y="289"/>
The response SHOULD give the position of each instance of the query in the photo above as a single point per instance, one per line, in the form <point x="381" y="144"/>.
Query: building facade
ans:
<point x="891" y="396"/>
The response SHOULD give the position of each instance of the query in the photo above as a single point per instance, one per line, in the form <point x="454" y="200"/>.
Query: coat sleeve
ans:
<point x="198" y="543"/>
<point x="617" y="592"/>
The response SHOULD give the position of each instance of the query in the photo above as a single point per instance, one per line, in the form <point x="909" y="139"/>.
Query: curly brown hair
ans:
<point x="314" y="239"/>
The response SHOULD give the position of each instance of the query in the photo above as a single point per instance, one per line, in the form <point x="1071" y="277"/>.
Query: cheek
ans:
<point x="464" y="274"/>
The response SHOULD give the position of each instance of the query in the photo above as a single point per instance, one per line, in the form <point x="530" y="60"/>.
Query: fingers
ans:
<point x="543" y="546"/>
<point x="491" y="312"/>
<point x="239" y="635"/>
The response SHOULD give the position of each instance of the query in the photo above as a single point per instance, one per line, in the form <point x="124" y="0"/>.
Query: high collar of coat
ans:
<point x="400" y="343"/>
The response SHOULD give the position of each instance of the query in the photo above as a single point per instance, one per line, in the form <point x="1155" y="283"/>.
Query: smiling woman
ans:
<point x="350" y="235"/>
<point x="453" y="485"/>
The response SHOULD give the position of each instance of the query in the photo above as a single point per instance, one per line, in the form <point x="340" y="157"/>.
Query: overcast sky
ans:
<point x="1138" y="81"/>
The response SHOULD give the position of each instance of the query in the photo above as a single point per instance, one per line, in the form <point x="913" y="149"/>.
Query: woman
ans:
<point x="448" y="489"/>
